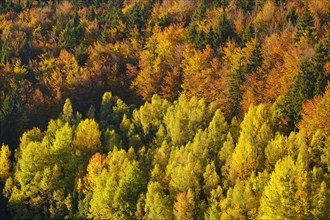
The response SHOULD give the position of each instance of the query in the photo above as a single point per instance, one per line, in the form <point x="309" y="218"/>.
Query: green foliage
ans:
<point x="249" y="33"/>
<point x="222" y="32"/>
<point x="255" y="59"/>
<point x="305" y="25"/>
<point x="113" y="14"/>
<point x="72" y="34"/>
<point x="238" y="77"/>
<point x="136" y="16"/>
<point x="24" y="51"/>
<point x="7" y="50"/>
<point x="310" y="81"/>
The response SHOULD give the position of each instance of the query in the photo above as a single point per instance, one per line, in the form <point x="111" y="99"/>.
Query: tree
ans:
<point x="305" y="28"/>
<point x="7" y="51"/>
<point x="248" y="34"/>
<point x="195" y="36"/>
<point x="237" y="79"/>
<point x="255" y="59"/>
<point x="24" y="51"/>
<point x="310" y="81"/>
<point x="67" y="113"/>
<point x="4" y="163"/>
<point x="211" y="179"/>
<point x="278" y="199"/>
<point x="184" y="118"/>
<point x="158" y="203"/>
<point x="130" y="186"/>
<point x="113" y="13"/>
<point x="184" y="206"/>
<point x="247" y="5"/>
<point x="72" y="34"/>
<point x="223" y="31"/>
<point x="87" y="137"/>
<point x="137" y="16"/>
<point x="315" y="114"/>
<point x="248" y="156"/>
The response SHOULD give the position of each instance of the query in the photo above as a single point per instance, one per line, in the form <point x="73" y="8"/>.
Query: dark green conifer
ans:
<point x="305" y="25"/>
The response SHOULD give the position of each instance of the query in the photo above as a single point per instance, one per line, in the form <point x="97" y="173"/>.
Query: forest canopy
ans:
<point x="165" y="109"/>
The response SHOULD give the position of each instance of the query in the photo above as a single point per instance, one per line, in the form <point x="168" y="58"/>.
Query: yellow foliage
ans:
<point x="4" y="163"/>
<point x="264" y="18"/>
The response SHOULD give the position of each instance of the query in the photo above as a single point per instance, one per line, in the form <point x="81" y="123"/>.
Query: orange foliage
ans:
<point x="316" y="115"/>
<point x="94" y="168"/>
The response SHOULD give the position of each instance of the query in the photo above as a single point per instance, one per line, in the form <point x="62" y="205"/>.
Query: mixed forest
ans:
<point x="165" y="109"/>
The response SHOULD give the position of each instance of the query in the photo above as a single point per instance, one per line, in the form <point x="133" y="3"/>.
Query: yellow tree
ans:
<point x="248" y="156"/>
<point x="4" y="163"/>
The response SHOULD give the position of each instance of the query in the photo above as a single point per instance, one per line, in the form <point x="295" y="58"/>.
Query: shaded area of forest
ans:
<point x="165" y="109"/>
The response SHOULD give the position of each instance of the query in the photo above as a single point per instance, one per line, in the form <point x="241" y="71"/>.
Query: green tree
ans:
<point x="255" y="59"/>
<point x="305" y="25"/>
<point x="237" y="79"/>
<point x="158" y="203"/>
<point x="136" y="16"/>
<point x="7" y="50"/>
<point x="223" y="31"/>
<point x="217" y="133"/>
<point x="113" y="14"/>
<point x="247" y="5"/>
<point x="72" y="34"/>
<point x="185" y="117"/>
<point x="249" y="33"/>
<point x="25" y="51"/>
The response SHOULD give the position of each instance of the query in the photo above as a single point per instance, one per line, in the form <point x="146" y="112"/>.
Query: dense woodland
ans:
<point x="165" y="109"/>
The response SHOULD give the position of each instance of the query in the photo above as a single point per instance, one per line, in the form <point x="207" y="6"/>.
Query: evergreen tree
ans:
<point x="223" y="31"/>
<point x="255" y="59"/>
<point x="25" y="51"/>
<point x="7" y="51"/>
<point x="246" y="5"/>
<point x="91" y="13"/>
<point x="291" y="17"/>
<point x="136" y="16"/>
<point x="305" y="25"/>
<point x="249" y="32"/>
<point x="81" y="54"/>
<point x="237" y="79"/>
<point x="10" y="115"/>
<point x="113" y="14"/>
<point x="199" y="13"/>
<point x="72" y="34"/>
<point x="197" y="37"/>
